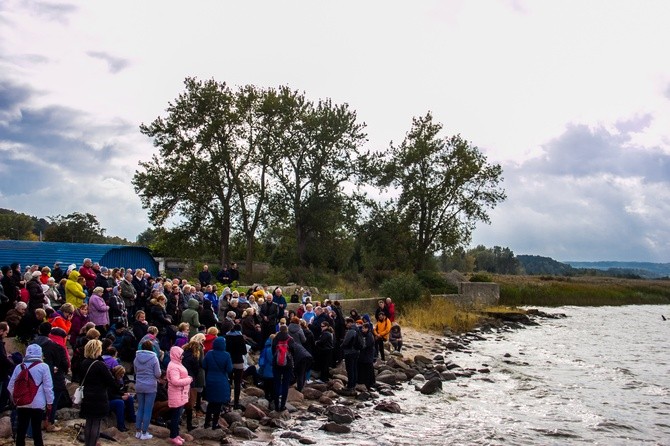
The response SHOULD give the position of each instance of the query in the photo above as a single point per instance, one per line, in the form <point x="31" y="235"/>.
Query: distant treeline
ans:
<point x="538" y="265"/>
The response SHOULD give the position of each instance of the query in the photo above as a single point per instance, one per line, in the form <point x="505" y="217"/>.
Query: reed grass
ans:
<point x="438" y="314"/>
<point x="581" y="291"/>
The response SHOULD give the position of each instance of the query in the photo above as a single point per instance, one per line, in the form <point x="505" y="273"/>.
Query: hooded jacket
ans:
<point x="147" y="371"/>
<point x="295" y="331"/>
<point x="74" y="292"/>
<point x="265" y="360"/>
<point x="179" y="382"/>
<point x="41" y="376"/>
<point x="218" y="366"/>
<point x="190" y="316"/>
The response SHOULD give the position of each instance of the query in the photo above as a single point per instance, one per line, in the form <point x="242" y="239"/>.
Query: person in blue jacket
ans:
<point x="218" y="366"/>
<point x="265" y="370"/>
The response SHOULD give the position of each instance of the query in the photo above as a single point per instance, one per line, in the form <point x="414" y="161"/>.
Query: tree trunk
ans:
<point x="250" y="254"/>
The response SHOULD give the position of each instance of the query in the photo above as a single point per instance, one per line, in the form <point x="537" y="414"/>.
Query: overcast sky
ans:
<point x="572" y="98"/>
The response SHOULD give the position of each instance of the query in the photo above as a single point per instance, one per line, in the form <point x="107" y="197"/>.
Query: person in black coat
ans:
<point x="204" y="276"/>
<point x="207" y="317"/>
<point x="237" y="348"/>
<point x="6" y="367"/>
<point x="366" y="370"/>
<point x="269" y="313"/>
<point x="324" y="352"/>
<point x="97" y="380"/>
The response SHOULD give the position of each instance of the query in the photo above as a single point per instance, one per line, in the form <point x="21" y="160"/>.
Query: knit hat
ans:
<point x="33" y="353"/>
<point x="71" y="267"/>
<point x="104" y="269"/>
<point x="226" y="291"/>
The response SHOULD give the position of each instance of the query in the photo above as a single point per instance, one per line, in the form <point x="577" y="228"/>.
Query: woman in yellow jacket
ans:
<point x="381" y="332"/>
<point x="74" y="292"/>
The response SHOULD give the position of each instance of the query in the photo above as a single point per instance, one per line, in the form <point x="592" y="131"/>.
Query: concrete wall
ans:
<point x="470" y="294"/>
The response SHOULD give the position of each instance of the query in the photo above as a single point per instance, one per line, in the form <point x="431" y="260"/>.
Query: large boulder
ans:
<point x="254" y="391"/>
<point x="311" y="393"/>
<point x="254" y="412"/>
<point x="388" y="406"/>
<point x="336" y="428"/>
<point x="294" y="395"/>
<point x="340" y="414"/>
<point x="5" y="427"/>
<point x="431" y="386"/>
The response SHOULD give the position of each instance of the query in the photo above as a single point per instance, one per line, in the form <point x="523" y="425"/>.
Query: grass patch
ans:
<point x="437" y="315"/>
<point x="581" y="291"/>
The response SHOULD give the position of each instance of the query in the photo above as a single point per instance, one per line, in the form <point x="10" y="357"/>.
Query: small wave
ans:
<point x="613" y="426"/>
<point x="624" y="371"/>
<point x="556" y="433"/>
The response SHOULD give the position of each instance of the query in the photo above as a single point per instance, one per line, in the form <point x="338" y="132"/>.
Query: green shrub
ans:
<point x="404" y="289"/>
<point x="481" y="277"/>
<point x="436" y="282"/>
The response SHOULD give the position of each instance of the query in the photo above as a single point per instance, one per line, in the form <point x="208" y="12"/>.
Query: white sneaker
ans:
<point x="146" y="436"/>
<point x="138" y="434"/>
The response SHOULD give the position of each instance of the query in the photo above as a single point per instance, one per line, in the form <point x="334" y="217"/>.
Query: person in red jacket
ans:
<point x="86" y="271"/>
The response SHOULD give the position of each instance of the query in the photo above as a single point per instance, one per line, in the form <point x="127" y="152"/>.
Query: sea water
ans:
<point x="599" y="376"/>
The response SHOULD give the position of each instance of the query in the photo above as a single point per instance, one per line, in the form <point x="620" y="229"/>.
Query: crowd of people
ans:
<point x="182" y="344"/>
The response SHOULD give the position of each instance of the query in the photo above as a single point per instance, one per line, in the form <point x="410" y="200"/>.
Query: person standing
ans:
<point x="218" y="365"/>
<point x="6" y="366"/>
<point x="32" y="413"/>
<point x="147" y="373"/>
<point x="351" y="349"/>
<point x="237" y="348"/>
<point x="381" y="332"/>
<point x="269" y="313"/>
<point x="204" y="276"/>
<point x="179" y="385"/>
<point x="97" y="380"/>
<point x="282" y="366"/>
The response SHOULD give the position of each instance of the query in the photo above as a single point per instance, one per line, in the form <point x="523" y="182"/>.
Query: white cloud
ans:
<point x="572" y="97"/>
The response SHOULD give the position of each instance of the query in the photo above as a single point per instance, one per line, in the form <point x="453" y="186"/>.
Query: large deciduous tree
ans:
<point x="316" y="149"/>
<point x="445" y="186"/>
<point x="75" y="228"/>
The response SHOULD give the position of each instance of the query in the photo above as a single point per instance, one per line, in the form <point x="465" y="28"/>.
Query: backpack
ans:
<point x="282" y="354"/>
<point x="25" y="387"/>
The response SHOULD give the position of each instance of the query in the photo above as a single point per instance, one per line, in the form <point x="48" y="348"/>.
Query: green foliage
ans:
<point x="481" y="277"/>
<point x="583" y="292"/>
<point x="75" y="228"/>
<point x="404" y="289"/>
<point x="15" y="226"/>
<point x="544" y="265"/>
<point x="495" y="260"/>
<point x="436" y="282"/>
<point x="446" y="185"/>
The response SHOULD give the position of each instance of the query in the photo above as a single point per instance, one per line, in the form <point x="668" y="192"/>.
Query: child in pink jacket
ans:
<point x="179" y="383"/>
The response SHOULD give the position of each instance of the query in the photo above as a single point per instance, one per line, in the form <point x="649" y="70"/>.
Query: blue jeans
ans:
<point x="145" y="404"/>
<point x="119" y="408"/>
<point x="282" y="379"/>
<point x="174" y="421"/>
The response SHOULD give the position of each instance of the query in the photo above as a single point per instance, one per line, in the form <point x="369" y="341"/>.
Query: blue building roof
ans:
<point x="48" y="253"/>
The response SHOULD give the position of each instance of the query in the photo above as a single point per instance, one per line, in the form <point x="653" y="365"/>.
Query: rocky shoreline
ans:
<point x="425" y="364"/>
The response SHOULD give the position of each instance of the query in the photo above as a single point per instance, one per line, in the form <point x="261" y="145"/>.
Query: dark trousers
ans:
<point x="212" y="414"/>
<point x="282" y="379"/>
<point x="301" y="371"/>
<point x="366" y="374"/>
<point x="91" y="431"/>
<point x="351" y="364"/>
<point x="269" y="389"/>
<point x="174" y="421"/>
<point x="324" y="359"/>
<point x="379" y="343"/>
<point x="237" y="385"/>
<point x="26" y="417"/>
